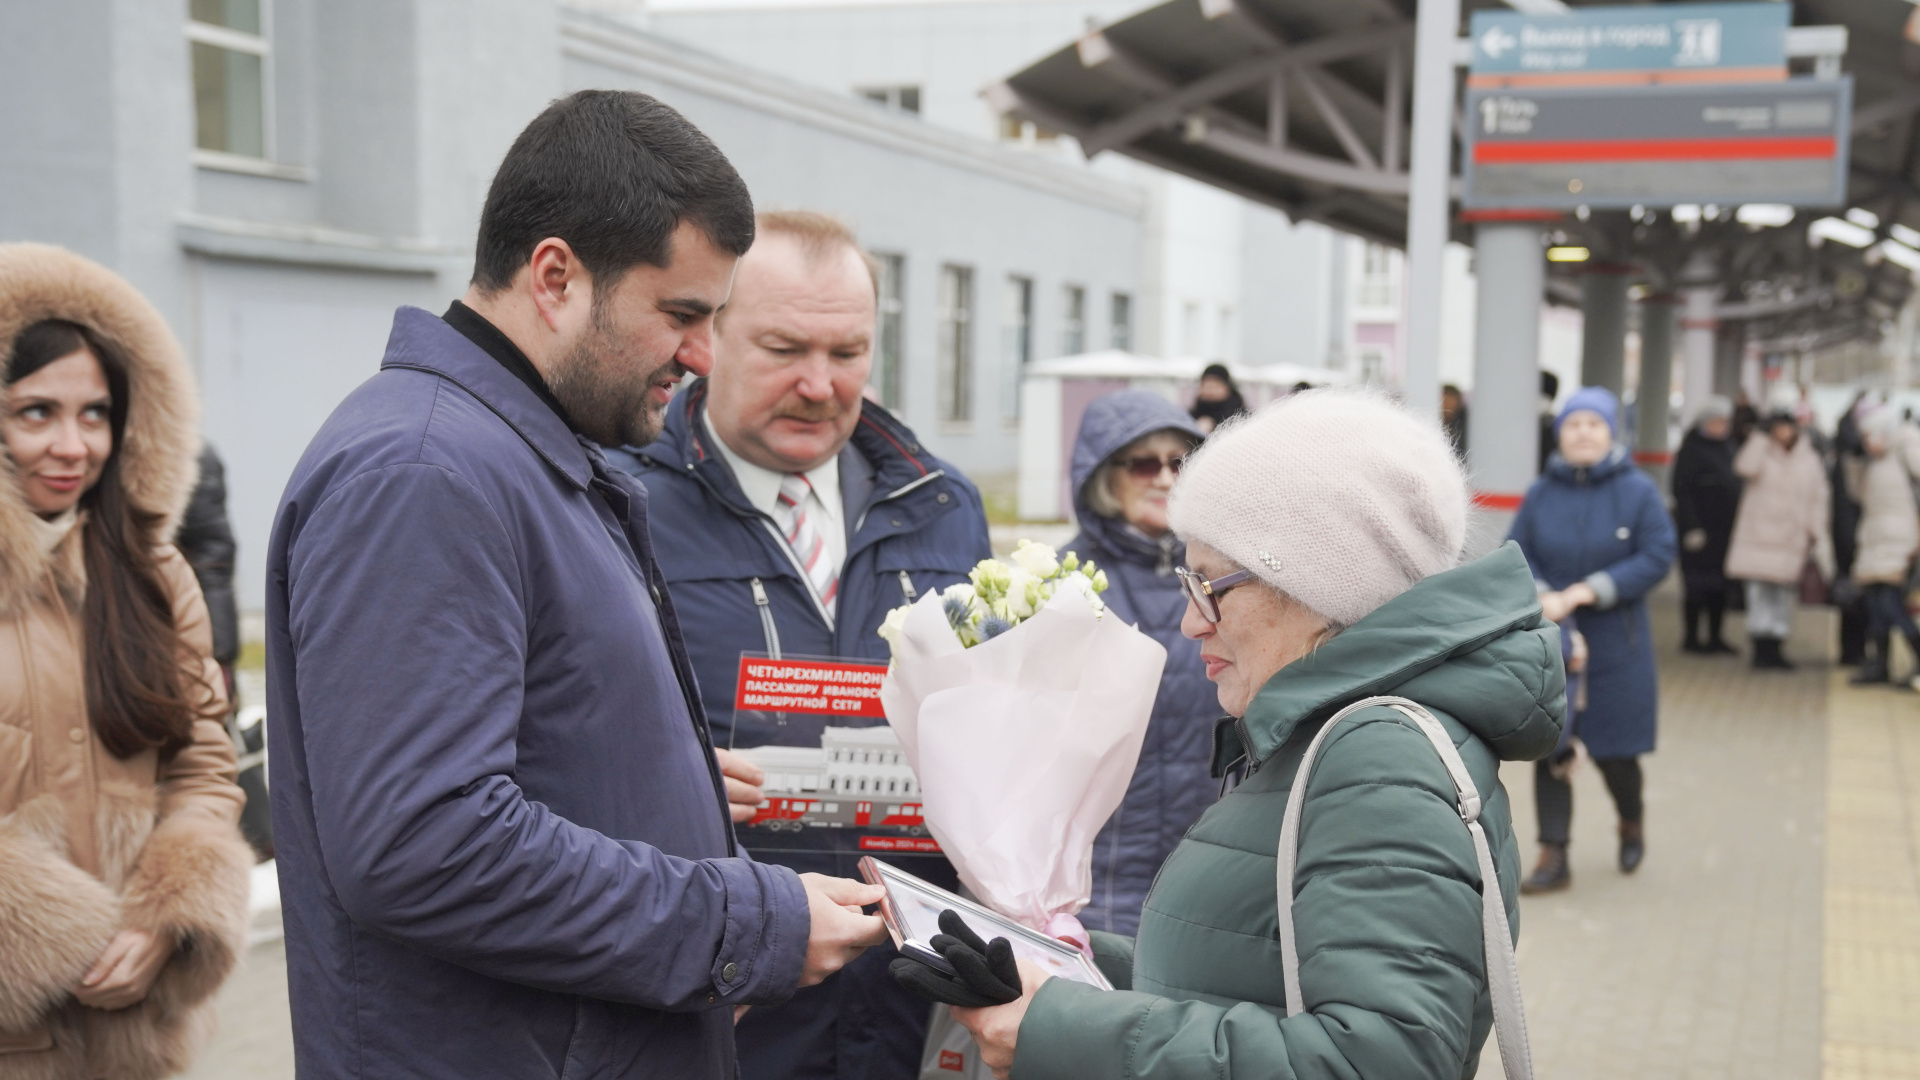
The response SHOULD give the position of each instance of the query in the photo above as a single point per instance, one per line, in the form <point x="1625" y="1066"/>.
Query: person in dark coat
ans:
<point x="1596" y="533"/>
<point x="885" y="522"/>
<point x="504" y="845"/>
<point x="1129" y="451"/>
<point x="1706" y="496"/>
<point x="1549" y="393"/>
<point x="206" y="540"/>
<point x="1217" y="400"/>
<point x="1846" y="475"/>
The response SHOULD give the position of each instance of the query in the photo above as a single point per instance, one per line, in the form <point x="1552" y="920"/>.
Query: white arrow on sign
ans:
<point x="1496" y="41"/>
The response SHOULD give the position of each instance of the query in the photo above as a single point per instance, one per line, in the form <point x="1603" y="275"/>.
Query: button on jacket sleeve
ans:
<point x="409" y="622"/>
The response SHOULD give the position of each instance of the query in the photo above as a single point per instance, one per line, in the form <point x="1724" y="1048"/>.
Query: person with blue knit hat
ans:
<point x="1596" y="534"/>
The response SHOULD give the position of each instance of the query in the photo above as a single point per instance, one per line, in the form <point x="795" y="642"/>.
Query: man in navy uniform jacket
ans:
<point x="793" y="516"/>
<point x="504" y="847"/>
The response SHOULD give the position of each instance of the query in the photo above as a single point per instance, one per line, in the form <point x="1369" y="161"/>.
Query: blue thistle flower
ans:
<point x="957" y="613"/>
<point x="993" y="626"/>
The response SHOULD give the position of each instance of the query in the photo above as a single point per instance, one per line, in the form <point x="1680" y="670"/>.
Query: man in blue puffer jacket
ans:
<point x="790" y="518"/>
<point x="1124" y="463"/>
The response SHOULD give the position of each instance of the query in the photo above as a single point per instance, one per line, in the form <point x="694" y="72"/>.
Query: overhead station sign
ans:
<point x="1629" y="46"/>
<point x="1649" y="105"/>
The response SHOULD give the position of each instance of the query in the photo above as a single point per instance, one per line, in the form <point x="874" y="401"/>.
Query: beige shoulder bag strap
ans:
<point x="1503" y="975"/>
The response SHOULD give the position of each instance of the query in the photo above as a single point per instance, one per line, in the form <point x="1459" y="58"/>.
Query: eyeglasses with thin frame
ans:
<point x="1206" y="594"/>
<point x="1150" y="466"/>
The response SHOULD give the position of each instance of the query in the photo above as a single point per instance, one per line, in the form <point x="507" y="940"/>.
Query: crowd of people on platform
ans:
<point x="1786" y="516"/>
<point x="511" y="581"/>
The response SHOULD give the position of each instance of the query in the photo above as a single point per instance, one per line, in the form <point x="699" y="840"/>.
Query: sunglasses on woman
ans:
<point x="1150" y="466"/>
<point x="1206" y="594"/>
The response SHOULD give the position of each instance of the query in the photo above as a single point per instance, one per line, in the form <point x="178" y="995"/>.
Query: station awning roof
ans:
<point x="1196" y="87"/>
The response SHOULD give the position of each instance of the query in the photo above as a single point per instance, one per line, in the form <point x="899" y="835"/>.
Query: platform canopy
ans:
<point x="1303" y="104"/>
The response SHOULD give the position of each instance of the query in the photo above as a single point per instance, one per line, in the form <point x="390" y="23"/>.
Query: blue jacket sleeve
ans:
<point x="1521" y="532"/>
<point x="1654" y="550"/>
<point x="409" y="628"/>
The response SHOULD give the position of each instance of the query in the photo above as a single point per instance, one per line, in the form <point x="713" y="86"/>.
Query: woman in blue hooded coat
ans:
<point x="1596" y="533"/>
<point x="1130" y="448"/>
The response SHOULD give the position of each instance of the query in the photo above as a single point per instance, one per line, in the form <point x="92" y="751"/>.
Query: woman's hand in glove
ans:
<point x="985" y="972"/>
<point x="996" y="1029"/>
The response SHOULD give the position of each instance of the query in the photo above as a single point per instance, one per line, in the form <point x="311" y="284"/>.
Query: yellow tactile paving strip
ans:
<point x="1871" y="1025"/>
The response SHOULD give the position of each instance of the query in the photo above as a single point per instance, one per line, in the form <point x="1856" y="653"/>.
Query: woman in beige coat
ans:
<point x="1889" y="536"/>
<point x="1781" y="525"/>
<point x="123" y="877"/>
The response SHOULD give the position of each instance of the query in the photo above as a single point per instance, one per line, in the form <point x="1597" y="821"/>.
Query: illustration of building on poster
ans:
<point x="855" y="778"/>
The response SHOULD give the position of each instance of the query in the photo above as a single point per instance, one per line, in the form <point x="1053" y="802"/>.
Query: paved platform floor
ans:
<point x="1774" y="931"/>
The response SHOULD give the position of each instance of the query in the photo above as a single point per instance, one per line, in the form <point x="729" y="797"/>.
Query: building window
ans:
<point x="1016" y="336"/>
<point x="1073" y="327"/>
<point x="1120" y="322"/>
<point x="956" y="343"/>
<point x="1190" y="317"/>
<point x="1373" y="366"/>
<point x="904" y="99"/>
<point x="231" y="57"/>
<point x="1376" y="277"/>
<point x="887" y="363"/>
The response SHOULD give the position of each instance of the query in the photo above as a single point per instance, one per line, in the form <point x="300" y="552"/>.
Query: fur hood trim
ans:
<point x="159" y="453"/>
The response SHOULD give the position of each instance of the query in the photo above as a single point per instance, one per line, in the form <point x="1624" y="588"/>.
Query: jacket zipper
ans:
<point x="772" y="632"/>
<point x="906" y="588"/>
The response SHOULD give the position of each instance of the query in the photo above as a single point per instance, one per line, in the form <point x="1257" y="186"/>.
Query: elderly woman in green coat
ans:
<point x="1324" y="539"/>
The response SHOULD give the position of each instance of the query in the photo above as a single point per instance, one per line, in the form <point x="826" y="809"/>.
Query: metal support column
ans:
<point x="1435" y="34"/>
<point x="1603" y="339"/>
<point x="1651" y="449"/>
<point x="1699" y="326"/>
<point x="1503" y="427"/>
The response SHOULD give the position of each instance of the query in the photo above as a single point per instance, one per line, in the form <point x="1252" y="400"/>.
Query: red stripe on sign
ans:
<point x="1772" y="147"/>
<point x="1494" y="500"/>
<point x="1652" y="457"/>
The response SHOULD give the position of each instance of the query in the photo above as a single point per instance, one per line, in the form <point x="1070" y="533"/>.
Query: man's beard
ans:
<point x="604" y="390"/>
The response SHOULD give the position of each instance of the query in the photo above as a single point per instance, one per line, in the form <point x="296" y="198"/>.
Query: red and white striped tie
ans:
<point x="805" y="540"/>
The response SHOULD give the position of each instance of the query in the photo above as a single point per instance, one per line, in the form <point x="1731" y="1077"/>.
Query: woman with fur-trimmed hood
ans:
<point x="123" y="876"/>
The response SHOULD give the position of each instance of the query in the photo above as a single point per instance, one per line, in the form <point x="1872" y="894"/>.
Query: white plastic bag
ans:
<point x="951" y="1053"/>
<point x="1024" y="746"/>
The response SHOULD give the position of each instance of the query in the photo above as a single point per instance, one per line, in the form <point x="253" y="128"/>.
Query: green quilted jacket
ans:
<point x="1386" y="891"/>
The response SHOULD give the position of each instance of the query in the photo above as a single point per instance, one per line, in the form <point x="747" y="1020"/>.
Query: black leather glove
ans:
<point x="986" y="973"/>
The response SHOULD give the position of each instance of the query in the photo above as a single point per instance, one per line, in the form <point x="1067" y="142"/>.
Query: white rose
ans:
<point x="1021" y="587"/>
<point x="1036" y="559"/>
<point x="1078" y="585"/>
<point x="895" y="623"/>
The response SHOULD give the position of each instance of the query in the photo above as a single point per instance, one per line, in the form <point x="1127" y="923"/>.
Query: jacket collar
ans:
<point x="423" y="341"/>
<point x="1616" y="461"/>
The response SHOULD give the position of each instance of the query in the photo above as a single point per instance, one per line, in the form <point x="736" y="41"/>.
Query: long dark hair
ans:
<point x="137" y="690"/>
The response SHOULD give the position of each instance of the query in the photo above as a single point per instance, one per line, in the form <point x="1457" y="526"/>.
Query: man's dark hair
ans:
<point x="612" y="173"/>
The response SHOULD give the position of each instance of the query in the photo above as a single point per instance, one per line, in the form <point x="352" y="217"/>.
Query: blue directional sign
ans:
<point x="1636" y="45"/>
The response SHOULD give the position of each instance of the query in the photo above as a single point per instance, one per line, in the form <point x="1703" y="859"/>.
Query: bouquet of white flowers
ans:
<point x="998" y="597"/>
<point x="1021" y="709"/>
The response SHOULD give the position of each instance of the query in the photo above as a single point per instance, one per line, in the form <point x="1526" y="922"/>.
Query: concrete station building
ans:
<point x="280" y="175"/>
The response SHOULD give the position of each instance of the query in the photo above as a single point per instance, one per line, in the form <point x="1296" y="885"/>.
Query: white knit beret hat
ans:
<point x="1340" y="498"/>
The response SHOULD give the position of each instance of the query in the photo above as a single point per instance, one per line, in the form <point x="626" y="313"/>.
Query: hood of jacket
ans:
<point x="1108" y="425"/>
<point x="160" y="448"/>
<point x="1470" y="642"/>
